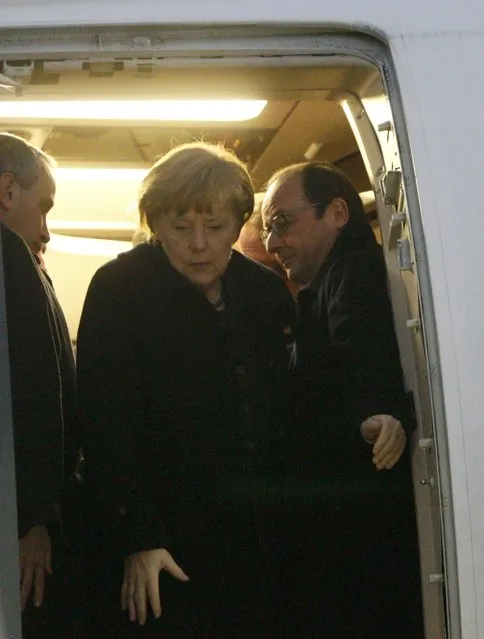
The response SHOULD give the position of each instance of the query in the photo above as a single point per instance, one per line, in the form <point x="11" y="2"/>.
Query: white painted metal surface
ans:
<point x="437" y="49"/>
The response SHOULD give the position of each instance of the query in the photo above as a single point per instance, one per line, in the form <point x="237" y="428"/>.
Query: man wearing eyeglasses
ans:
<point x="353" y="558"/>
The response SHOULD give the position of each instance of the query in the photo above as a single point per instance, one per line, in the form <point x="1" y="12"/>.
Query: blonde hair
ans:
<point x="198" y="176"/>
<point x="140" y="236"/>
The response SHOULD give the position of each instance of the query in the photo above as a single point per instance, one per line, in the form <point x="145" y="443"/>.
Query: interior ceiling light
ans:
<point x="133" y="110"/>
<point x="87" y="247"/>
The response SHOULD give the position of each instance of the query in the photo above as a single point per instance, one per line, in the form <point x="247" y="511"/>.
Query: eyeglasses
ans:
<point x="279" y="225"/>
<point x="281" y="222"/>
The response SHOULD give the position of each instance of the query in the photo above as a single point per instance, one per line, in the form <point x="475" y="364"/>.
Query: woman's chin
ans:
<point x="204" y="282"/>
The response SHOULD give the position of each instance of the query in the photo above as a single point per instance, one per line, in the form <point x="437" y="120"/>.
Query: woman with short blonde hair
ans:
<point x="181" y="358"/>
<point x="198" y="176"/>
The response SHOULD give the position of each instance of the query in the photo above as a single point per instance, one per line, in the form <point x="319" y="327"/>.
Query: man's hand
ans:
<point x="35" y="559"/>
<point x="388" y="439"/>
<point x="141" y="573"/>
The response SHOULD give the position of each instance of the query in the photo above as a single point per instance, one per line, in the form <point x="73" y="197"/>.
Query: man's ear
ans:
<point x="340" y="212"/>
<point x="7" y="185"/>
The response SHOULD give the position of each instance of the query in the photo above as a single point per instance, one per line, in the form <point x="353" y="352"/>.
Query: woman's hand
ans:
<point x="140" y="582"/>
<point x="388" y="438"/>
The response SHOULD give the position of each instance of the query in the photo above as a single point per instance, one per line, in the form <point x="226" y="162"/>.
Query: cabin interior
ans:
<point x="297" y="115"/>
<point x="301" y="113"/>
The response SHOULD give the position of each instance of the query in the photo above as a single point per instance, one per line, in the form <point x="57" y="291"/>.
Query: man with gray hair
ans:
<point x="42" y="375"/>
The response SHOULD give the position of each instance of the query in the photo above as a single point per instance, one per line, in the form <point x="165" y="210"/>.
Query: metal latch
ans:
<point x="413" y="323"/>
<point x="396" y="222"/>
<point x="102" y="68"/>
<point x="426" y="443"/>
<point x="405" y="261"/>
<point x="391" y="187"/>
<point x="385" y="126"/>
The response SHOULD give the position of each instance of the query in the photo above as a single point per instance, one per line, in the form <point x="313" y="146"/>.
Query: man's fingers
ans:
<point x="391" y="434"/>
<point x="26" y="584"/>
<point x="390" y="459"/>
<point x="390" y="464"/>
<point x="370" y="430"/>
<point x="153" y="590"/>
<point x="384" y="434"/>
<point x="174" y="569"/>
<point x="39" y="585"/>
<point x="389" y="446"/>
<point x="387" y="462"/>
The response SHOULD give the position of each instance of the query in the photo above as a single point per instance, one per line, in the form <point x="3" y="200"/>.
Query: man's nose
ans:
<point x="45" y="234"/>
<point x="273" y="242"/>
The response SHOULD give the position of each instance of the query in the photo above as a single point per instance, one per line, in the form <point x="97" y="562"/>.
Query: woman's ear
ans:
<point x="7" y="185"/>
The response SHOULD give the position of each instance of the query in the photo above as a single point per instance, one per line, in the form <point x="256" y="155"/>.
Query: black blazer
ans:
<point x="346" y="359"/>
<point x="183" y="407"/>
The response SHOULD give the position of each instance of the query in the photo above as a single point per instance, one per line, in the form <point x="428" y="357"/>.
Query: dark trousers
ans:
<point x="353" y="570"/>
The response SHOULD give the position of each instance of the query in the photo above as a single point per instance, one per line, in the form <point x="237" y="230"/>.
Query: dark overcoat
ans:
<point x="42" y="380"/>
<point x="44" y="410"/>
<point x="357" y="572"/>
<point x="183" y="411"/>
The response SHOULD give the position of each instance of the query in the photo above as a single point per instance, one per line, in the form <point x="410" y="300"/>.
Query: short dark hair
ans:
<point x="322" y="182"/>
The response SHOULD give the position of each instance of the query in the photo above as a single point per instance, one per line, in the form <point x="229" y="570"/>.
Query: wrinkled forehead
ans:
<point x="216" y="213"/>
<point x="281" y="196"/>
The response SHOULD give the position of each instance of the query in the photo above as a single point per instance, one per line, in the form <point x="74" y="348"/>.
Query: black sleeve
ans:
<point x="363" y="348"/>
<point x="284" y="310"/>
<point x="67" y="368"/>
<point x="35" y="387"/>
<point x="111" y="408"/>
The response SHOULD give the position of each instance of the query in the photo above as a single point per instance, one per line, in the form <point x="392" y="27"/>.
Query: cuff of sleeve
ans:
<point x="136" y="531"/>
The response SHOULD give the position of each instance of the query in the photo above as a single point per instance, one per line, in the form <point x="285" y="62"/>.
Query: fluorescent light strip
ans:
<point x="133" y="110"/>
<point x="86" y="247"/>
<point x="102" y="174"/>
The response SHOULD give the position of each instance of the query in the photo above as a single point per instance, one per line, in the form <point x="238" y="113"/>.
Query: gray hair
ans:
<point x="22" y="159"/>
